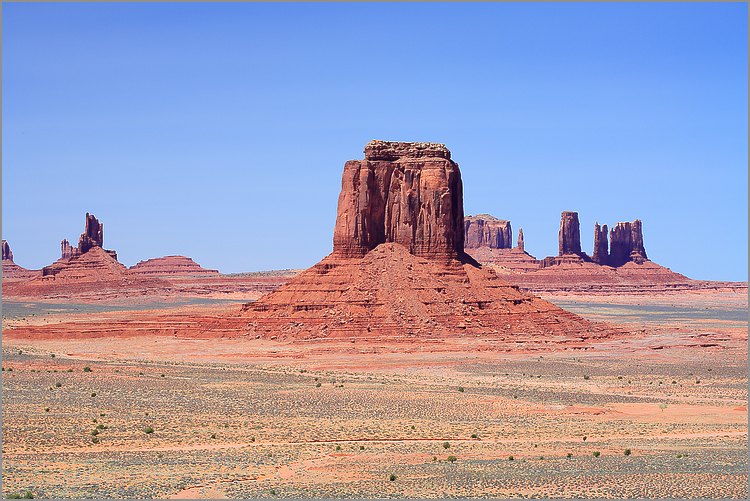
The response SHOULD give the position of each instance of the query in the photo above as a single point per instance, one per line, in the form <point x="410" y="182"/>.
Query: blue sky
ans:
<point x="220" y="131"/>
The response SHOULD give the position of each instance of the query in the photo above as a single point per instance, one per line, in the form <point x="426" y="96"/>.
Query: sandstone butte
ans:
<point x="10" y="269"/>
<point x="398" y="269"/>
<point x="170" y="266"/>
<point x="619" y="259"/>
<point x="84" y="268"/>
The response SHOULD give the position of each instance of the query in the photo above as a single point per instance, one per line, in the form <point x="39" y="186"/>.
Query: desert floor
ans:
<point x="244" y="418"/>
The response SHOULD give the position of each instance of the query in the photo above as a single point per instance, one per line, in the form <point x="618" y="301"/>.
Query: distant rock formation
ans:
<point x="406" y="193"/>
<point x="626" y="244"/>
<point x="170" y="265"/>
<point x="484" y="230"/>
<point x="10" y="269"/>
<point x="7" y="254"/>
<point x="92" y="236"/>
<point x="520" y="245"/>
<point x="601" y="245"/>
<point x="569" y="237"/>
<point x="67" y="251"/>
<point x="398" y="270"/>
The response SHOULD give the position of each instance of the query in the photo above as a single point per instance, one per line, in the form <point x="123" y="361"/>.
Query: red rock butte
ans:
<point x="170" y="265"/>
<point x="10" y="269"/>
<point x="398" y="269"/>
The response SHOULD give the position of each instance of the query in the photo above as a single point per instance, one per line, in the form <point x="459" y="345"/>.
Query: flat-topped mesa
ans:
<point x="405" y="193"/>
<point x="484" y="230"/>
<point x="626" y="244"/>
<point x="7" y="254"/>
<point x="601" y="245"/>
<point x="520" y="240"/>
<point x="569" y="237"/>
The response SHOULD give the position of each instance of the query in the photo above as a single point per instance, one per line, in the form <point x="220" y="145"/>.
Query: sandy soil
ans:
<point x="258" y="418"/>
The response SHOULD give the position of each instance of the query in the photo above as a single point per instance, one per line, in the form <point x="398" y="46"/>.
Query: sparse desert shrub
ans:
<point x="163" y="375"/>
<point x="569" y="455"/>
<point x="584" y="438"/>
<point x="102" y="414"/>
<point x="452" y="459"/>
<point x="58" y="385"/>
<point x="461" y="389"/>
<point x="361" y="447"/>
<point x="101" y="427"/>
<point x="94" y="432"/>
<point x="338" y="447"/>
<point x="148" y="430"/>
<point x="597" y="454"/>
<point x="474" y="435"/>
<point x="93" y="394"/>
<point x="446" y="445"/>
<point x="413" y="427"/>
<point x="586" y="376"/>
<point x="52" y="355"/>
<point x="662" y="407"/>
<point x="10" y="369"/>
<point x="95" y="440"/>
<point x="87" y="369"/>
<point x="213" y="435"/>
<point x="273" y="492"/>
<point x="627" y="452"/>
<point x="22" y="495"/>
<point x="510" y="458"/>
<point x="69" y="370"/>
<point x="393" y="477"/>
<point x="46" y="409"/>
<point x="317" y="385"/>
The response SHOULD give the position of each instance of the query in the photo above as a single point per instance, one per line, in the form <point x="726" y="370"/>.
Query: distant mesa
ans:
<point x="398" y="269"/>
<point x="619" y="260"/>
<point x="170" y="265"/>
<point x="10" y="269"/>
<point x="484" y="230"/>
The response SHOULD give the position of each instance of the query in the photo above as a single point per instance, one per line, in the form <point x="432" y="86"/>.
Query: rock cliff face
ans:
<point x="7" y="254"/>
<point x="520" y="240"/>
<point x="67" y="251"/>
<point x="569" y="237"/>
<point x="405" y="193"/>
<point x="484" y="230"/>
<point x="626" y="244"/>
<point x="601" y="245"/>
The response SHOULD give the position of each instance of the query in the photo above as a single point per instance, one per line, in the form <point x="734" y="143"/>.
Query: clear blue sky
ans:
<point x="220" y="131"/>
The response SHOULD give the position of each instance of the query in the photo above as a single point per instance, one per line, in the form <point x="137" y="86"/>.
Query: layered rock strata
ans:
<point x="171" y="265"/>
<point x="10" y="269"/>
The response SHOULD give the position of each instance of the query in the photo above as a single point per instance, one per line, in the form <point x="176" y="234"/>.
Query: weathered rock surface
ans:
<point x="405" y="193"/>
<point x="67" y="251"/>
<point x="626" y="244"/>
<point x="484" y="230"/>
<point x="569" y="237"/>
<point x="601" y="245"/>
<point x="170" y="265"/>
<point x="520" y="245"/>
<point x="398" y="269"/>
<point x="7" y="254"/>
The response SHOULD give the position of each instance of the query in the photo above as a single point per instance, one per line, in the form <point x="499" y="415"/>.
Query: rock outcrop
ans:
<point x="170" y="265"/>
<point x="398" y="269"/>
<point x="520" y="245"/>
<point x="67" y="251"/>
<point x="7" y="254"/>
<point x="569" y="237"/>
<point x="405" y="193"/>
<point x="626" y="244"/>
<point x="484" y="230"/>
<point x="10" y="269"/>
<point x="601" y="245"/>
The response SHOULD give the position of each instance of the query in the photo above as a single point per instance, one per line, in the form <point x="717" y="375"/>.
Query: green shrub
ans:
<point x="87" y="369"/>
<point x="58" y="385"/>
<point x="93" y="394"/>
<point x="474" y="435"/>
<point x="148" y="430"/>
<point x="46" y="409"/>
<point x="101" y="427"/>
<point x="627" y="452"/>
<point x="94" y="432"/>
<point x="361" y="447"/>
<point x="461" y="389"/>
<point x="452" y="459"/>
<point x="586" y="376"/>
<point x="23" y="495"/>
<point x="510" y="458"/>
<point x="95" y="440"/>
<point x="317" y="385"/>
<point x="569" y="455"/>
<point x="393" y="477"/>
<point x="446" y="445"/>
<point x="597" y="454"/>
<point x="338" y="447"/>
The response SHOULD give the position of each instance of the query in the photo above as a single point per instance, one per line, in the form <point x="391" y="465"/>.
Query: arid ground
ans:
<point x="660" y="413"/>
